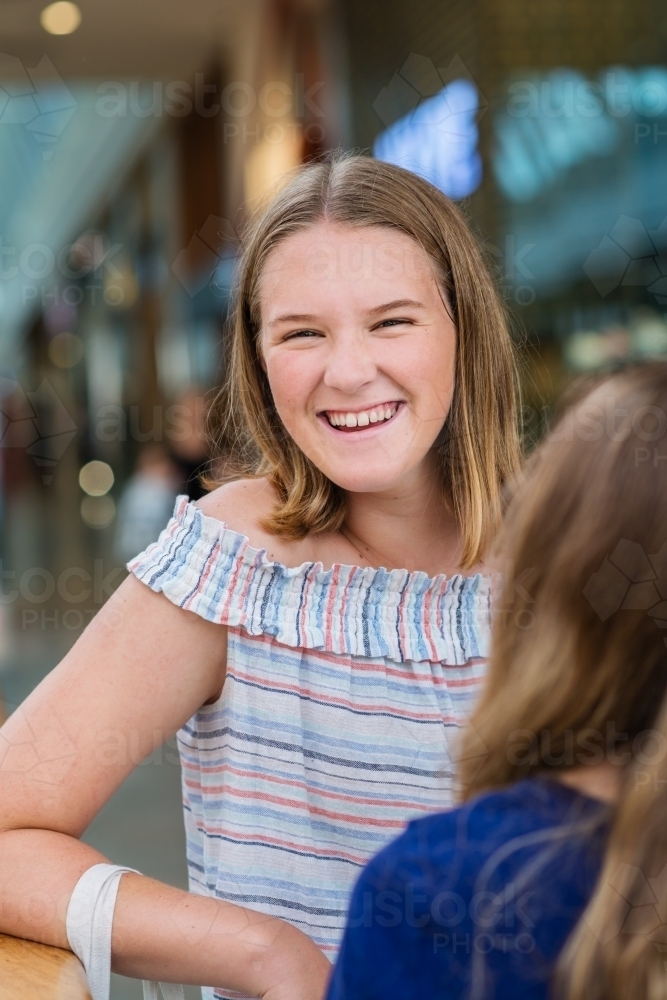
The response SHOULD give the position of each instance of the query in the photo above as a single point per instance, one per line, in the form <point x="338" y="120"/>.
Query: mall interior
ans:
<point x="137" y="137"/>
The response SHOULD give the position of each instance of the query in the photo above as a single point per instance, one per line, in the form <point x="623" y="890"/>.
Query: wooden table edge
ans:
<point x="32" y="971"/>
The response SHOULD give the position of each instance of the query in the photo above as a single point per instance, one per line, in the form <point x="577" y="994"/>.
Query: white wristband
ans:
<point x="89" y="924"/>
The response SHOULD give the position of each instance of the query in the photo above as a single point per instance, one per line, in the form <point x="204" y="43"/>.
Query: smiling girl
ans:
<point x="315" y="630"/>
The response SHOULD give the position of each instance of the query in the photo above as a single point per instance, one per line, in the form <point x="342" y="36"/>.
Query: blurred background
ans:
<point x="136" y="135"/>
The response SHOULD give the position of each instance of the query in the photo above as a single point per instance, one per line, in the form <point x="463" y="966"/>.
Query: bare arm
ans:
<point x="139" y="671"/>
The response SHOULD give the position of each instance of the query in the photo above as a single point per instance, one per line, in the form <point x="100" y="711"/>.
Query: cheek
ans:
<point x="426" y="370"/>
<point x="441" y="385"/>
<point x="292" y="376"/>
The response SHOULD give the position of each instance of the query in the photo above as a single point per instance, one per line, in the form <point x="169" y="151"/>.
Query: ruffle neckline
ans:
<point x="205" y="567"/>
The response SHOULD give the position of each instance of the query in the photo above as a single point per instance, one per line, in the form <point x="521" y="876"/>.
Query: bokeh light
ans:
<point x="438" y="140"/>
<point x="60" y="18"/>
<point x="65" y="350"/>
<point x="96" y="478"/>
<point x="98" y="512"/>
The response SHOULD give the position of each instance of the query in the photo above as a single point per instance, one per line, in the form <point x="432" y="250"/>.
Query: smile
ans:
<point x="347" y="420"/>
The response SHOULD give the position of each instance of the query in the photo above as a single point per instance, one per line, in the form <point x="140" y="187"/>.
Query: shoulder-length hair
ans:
<point x="478" y="445"/>
<point x="579" y="663"/>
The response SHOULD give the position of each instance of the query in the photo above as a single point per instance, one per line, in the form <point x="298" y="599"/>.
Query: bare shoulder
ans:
<point x="242" y="505"/>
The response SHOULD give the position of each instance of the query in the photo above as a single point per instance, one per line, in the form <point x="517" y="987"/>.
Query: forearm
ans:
<point x="173" y="936"/>
<point x="159" y="932"/>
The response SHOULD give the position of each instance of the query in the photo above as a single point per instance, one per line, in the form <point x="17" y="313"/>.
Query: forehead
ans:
<point x="359" y="260"/>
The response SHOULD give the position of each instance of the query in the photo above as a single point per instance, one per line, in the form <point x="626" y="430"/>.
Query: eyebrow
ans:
<point x="375" y="311"/>
<point x="292" y="318"/>
<point x="396" y="304"/>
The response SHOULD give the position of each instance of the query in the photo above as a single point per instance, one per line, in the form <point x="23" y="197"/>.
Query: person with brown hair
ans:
<point x="315" y="629"/>
<point x="550" y="879"/>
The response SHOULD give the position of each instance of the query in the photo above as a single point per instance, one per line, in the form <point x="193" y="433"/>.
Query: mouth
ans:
<point x="354" y="421"/>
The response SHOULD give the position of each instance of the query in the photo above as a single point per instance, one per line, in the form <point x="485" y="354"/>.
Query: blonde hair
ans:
<point x="479" y="442"/>
<point x="572" y="654"/>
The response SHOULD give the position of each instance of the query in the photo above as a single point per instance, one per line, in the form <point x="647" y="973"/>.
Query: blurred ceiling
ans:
<point x="125" y="39"/>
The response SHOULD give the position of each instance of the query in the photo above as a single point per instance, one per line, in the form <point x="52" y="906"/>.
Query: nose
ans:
<point x="350" y="365"/>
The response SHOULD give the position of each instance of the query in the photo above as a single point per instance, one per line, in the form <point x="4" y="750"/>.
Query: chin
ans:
<point x="363" y="480"/>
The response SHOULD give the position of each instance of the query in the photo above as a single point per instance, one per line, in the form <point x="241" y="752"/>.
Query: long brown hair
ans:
<point x="579" y="662"/>
<point x="479" y="444"/>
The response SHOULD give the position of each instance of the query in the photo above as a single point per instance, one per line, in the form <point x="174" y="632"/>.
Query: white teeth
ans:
<point x="364" y="418"/>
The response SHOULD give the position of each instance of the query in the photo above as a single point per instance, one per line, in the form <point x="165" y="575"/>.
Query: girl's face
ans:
<point x="359" y="350"/>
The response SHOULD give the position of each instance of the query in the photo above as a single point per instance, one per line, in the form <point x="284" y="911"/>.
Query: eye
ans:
<point x="302" y="333"/>
<point x="395" y="322"/>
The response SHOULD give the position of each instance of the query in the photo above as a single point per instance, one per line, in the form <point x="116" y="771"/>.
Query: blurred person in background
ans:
<point x="188" y="446"/>
<point x="147" y="502"/>
<point x="549" y="879"/>
<point x="316" y="629"/>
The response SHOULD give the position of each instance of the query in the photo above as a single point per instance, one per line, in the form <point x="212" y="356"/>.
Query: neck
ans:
<point x="406" y="527"/>
<point x="599" y="781"/>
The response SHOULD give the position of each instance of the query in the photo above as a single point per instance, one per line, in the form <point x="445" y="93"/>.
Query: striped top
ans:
<point x="344" y="689"/>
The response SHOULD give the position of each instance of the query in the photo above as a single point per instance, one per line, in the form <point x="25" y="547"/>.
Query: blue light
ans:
<point x="555" y="121"/>
<point x="438" y="140"/>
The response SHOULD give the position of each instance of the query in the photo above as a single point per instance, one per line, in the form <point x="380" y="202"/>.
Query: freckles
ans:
<point x="428" y="372"/>
<point x="292" y="377"/>
<point x="285" y="367"/>
<point x="427" y="363"/>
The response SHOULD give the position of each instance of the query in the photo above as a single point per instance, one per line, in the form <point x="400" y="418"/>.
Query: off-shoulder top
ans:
<point x="334" y="728"/>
